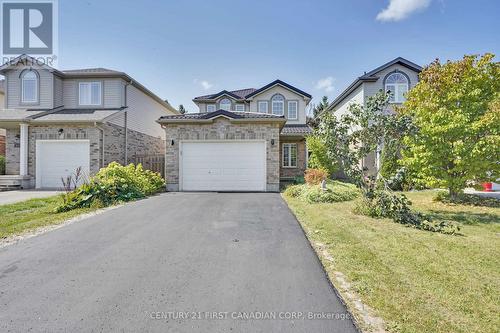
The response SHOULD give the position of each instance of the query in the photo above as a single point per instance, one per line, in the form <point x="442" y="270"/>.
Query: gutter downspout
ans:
<point x="126" y="120"/>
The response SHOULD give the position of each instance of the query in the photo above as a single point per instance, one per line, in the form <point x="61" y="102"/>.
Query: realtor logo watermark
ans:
<point x="29" y="27"/>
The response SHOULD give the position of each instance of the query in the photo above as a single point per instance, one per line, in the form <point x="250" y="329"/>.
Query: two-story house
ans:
<point x="241" y="140"/>
<point x="397" y="77"/>
<point x="58" y="121"/>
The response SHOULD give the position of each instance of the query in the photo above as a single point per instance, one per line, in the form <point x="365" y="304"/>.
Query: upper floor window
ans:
<point x="278" y="105"/>
<point x="239" y="107"/>
<point x="262" y="106"/>
<point x="292" y="110"/>
<point x="210" y="107"/>
<point x="225" y="104"/>
<point x="29" y="82"/>
<point x="397" y="84"/>
<point x="90" y="93"/>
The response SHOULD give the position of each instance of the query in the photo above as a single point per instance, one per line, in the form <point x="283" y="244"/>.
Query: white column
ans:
<point x="23" y="151"/>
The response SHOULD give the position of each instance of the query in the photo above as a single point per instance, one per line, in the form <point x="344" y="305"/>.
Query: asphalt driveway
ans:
<point x="179" y="262"/>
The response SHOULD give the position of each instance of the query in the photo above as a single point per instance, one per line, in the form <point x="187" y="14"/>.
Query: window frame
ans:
<point x="296" y="110"/>
<point x="282" y="102"/>
<point x="90" y="83"/>
<point x="394" y="99"/>
<point x="212" y="105"/>
<point x="36" y="100"/>
<point x="287" y="163"/>
<point x="239" y="104"/>
<point x="225" y="99"/>
<point x="263" y="102"/>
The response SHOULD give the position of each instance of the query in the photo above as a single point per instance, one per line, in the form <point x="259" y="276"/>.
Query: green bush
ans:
<point x="113" y="184"/>
<point x="2" y="165"/>
<point x="335" y="192"/>
<point x="381" y="203"/>
<point x="318" y="158"/>
<point x="467" y="199"/>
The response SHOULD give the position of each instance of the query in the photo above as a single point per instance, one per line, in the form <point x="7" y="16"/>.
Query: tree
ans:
<point x="455" y="107"/>
<point x="182" y="110"/>
<point x="317" y="110"/>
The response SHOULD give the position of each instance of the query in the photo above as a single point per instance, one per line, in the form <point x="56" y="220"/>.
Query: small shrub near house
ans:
<point x="335" y="192"/>
<point x="113" y="184"/>
<point x="315" y="176"/>
<point x="2" y="165"/>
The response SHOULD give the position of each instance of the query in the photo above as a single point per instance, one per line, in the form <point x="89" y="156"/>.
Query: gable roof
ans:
<point x="88" y="73"/>
<point x="250" y="92"/>
<point x="371" y="77"/>
<point x="209" y="116"/>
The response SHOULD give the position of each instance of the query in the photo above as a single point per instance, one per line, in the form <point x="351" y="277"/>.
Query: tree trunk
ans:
<point x="454" y="193"/>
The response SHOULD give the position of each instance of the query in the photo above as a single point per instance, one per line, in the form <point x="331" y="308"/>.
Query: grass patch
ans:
<point x="417" y="281"/>
<point x="28" y="215"/>
<point x="335" y="192"/>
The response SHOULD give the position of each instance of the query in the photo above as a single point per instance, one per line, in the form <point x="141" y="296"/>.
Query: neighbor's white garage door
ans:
<point x="223" y="166"/>
<point x="56" y="159"/>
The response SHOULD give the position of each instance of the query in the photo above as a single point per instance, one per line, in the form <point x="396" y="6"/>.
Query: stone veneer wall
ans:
<point x="12" y="151"/>
<point x="222" y="129"/>
<point x="301" y="158"/>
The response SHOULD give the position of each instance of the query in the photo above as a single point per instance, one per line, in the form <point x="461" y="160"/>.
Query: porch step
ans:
<point x="14" y="182"/>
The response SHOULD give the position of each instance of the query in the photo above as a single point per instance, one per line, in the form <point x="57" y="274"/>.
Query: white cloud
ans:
<point x="325" y="84"/>
<point x="400" y="9"/>
<point x="204" y="83"/>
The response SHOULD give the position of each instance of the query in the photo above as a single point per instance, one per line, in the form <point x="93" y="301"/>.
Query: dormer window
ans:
<point x="29" y="83"/>
<point x="397" y="84"/>
<point x="90" y="93"/>
<point x="278" y="105"/>
<point x="225" y="104"/>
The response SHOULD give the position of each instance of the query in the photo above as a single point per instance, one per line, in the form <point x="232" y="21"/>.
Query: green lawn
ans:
<point x="23" y="216"/>
<point x="417" y="281"/>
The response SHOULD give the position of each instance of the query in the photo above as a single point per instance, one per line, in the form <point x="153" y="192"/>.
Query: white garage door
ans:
<point x="56" y="159"/>
<point x="223" y="166"/>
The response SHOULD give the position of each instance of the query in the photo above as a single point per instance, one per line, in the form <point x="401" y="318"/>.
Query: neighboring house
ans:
<point x="2" y="130"/>
<point x="57" y="121"/>
<point x="242" y="140"/>
<point x="397" y="76"/>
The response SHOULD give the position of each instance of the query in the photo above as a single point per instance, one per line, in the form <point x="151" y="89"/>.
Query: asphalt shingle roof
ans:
<point x="230" y="114"/>
<point x="296" y="129"/>
<point x="241" y="93"/>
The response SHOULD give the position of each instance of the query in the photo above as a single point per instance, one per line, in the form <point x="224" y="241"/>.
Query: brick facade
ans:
<point x="222" y="129"/>
<point x="288" y="173"/>
<point x="114" y="142"/>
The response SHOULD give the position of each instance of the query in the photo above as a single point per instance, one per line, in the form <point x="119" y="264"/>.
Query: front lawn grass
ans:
<point x="28" y="215"/>
<point x="417" y="281"/>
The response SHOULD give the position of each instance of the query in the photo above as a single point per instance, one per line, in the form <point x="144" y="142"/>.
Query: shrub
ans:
<point x="113" y="184"/>
<point x="467" y="199"/>
<point x="315" y="176"/>
<point x="318" y="155"/>
<point x="335" y="192"/>
<point x="299" y="180"/>
<point x="382" y="203"/>
<point x="2" y="165"/>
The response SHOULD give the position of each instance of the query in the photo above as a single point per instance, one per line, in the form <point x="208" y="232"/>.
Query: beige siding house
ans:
<point x="57" y="121"/>
<point x="241" y="140"/>
<point x="397" y="76"/>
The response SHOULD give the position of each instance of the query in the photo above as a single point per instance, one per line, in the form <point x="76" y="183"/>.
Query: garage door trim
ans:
<point x="264" y="142"/>
<point x="37" y="156"/>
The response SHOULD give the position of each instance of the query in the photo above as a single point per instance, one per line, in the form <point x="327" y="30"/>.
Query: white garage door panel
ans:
<point x="56" y="159"/>
<point x="223" y="166"/>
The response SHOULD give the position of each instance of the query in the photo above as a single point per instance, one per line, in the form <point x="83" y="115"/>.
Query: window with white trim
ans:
<point x="292" y="110"/>
<point x="210" y="107"/>
<point x="289" y="155"/>
<point x="225" y="104"/>
<point x="29" y="82"/>
<point x="397" y="84"/>
<point x="262" y="106"/>
<point x="90" y="93"/>
<point x="239" y="107"/>
<point x="278" y="105"/>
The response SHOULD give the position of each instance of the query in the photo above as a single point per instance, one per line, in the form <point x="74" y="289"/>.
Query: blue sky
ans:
<point x="182" y="49"/>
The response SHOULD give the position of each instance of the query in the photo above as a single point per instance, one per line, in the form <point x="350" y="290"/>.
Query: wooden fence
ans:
<point x="154" y="163"/>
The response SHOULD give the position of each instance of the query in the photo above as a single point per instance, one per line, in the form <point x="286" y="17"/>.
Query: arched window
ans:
<point x="29" y="83"/>
<point x="397" y="84"/>
<point x="225" y="104"/>
<point x="278" y="105"/>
